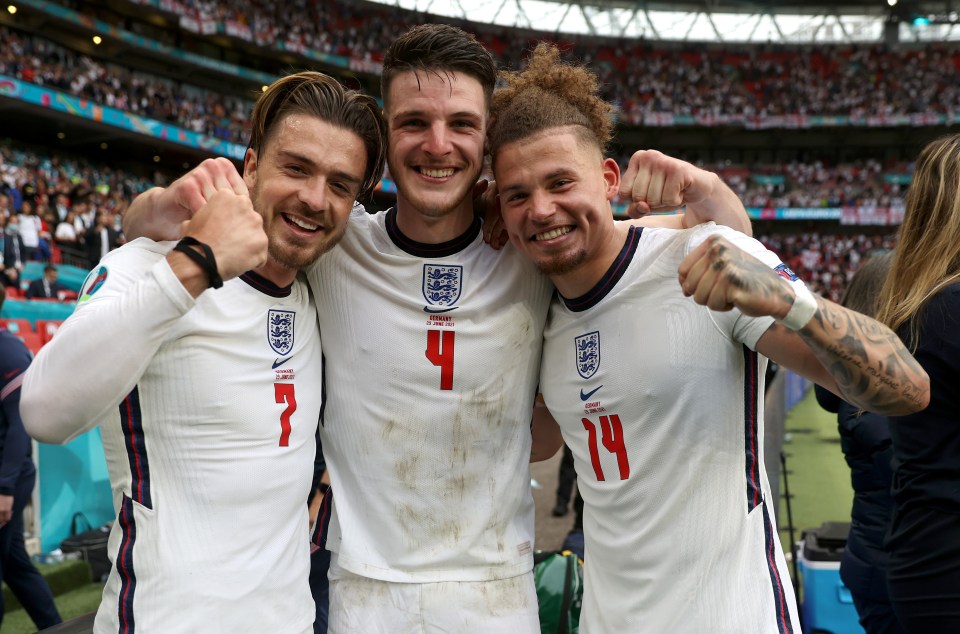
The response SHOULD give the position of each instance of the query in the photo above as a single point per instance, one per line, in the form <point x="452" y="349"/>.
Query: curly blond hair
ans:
<point x="550" y="93"/>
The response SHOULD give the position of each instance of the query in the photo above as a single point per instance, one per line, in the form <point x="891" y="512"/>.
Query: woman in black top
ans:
<point x="921" y="302"/>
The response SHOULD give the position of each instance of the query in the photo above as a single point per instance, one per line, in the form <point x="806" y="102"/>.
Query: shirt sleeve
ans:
<point x="127" y="308"/>
<point x="743" y="328"/>
<point x="14" y="359"/>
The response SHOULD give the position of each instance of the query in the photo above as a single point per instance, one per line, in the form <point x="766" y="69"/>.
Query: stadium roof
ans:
<point x="757" y="21"/>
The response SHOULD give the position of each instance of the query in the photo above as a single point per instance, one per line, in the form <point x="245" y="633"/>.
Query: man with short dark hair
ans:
<point x="46" y="286"/>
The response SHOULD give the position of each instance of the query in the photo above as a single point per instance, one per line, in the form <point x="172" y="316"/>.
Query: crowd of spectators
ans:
<point x="715" y="85"/>
<point x="859" y="81"/>
<point x="817" y="185"/>
<point x="60" y="210"/>
<point x="45" y="63"/>
<point x="826" y="262"/>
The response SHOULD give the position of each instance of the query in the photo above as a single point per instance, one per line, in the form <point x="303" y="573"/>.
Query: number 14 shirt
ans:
<point x="660" y="400"/>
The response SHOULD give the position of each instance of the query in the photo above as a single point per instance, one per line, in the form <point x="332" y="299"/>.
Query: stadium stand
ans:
<point x="818" y="141"/>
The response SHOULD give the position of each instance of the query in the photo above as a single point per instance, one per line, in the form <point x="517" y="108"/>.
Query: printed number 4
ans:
<point x="440" y="353"/>
<point x="612" y="432"/>
<point x="284" y="394"/>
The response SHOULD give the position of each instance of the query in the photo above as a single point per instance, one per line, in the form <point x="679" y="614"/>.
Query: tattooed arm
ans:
<point x="857" y="357"/>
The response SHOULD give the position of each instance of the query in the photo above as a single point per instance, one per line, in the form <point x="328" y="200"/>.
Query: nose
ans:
<point x="541" y="205"/>
<point x="313" y="194"/>
<point x="437" y="141"/>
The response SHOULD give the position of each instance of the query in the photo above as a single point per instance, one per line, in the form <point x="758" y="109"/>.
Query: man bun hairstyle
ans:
<point x="549" y="93"/>
<point x="315" y="94"/>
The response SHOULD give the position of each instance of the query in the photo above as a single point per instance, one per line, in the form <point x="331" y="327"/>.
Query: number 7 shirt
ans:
<point x="208" y="411"/>
<point x="661" y="402"/>
<point x="431" y="355"/>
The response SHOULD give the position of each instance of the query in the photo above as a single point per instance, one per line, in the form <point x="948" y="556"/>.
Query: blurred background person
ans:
<point x="17" y="477"/>
<point x="867" y="448"/>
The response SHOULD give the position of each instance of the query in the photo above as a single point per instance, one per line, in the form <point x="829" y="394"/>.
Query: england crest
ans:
<point x="280" y="330"/>
<point x="441" y="284"/>
<point x="588" y="354"/>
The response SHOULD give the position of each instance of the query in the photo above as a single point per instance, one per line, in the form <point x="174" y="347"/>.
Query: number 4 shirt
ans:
<point x="208" y="411"/>
<point x="432" y="354"/>
<point x="660" y="400"/>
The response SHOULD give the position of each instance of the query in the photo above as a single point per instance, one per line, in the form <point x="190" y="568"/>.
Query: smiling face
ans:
<point x="555" y="193"/>
<point x="304" y="184"/>
<point x="436" y="125"/>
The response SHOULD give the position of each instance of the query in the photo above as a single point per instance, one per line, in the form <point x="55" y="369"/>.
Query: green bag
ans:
<point x="559" y="580"/>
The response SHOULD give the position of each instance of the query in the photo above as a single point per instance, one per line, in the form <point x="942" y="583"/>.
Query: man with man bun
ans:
<point x="659" y="394"/>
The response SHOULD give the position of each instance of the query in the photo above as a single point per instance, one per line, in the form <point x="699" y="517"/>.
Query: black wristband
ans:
<point x="206" y="261"/>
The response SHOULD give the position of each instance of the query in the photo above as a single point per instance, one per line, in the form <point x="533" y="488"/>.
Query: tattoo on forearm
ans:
<point x="868" y="361"/>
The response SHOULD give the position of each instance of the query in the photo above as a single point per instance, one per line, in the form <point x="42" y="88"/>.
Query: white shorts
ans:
<point x="359" y="605"/>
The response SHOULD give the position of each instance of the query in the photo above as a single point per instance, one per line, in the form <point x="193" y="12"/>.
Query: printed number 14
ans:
<point x="612" y="432"/>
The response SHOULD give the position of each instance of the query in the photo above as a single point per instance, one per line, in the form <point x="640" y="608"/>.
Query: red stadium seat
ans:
<point x="32" y="340"/>
<point x="46" y="328"/>
<point x="17" y="325"/>
<point x="14" y="292"/>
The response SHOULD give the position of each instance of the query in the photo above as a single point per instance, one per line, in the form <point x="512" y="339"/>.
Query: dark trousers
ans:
<point x="26" y="583"/>
<point x="320" y="588"/>
<point x="566" y="477"/>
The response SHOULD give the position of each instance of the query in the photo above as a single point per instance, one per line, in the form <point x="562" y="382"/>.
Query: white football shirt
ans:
<point x="208" y="414"/>
<point x="661" y="402"/>
<point x="432" y="355"/>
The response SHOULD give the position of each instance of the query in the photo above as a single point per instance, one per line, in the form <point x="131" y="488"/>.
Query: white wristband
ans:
<point x="803" y="309"/>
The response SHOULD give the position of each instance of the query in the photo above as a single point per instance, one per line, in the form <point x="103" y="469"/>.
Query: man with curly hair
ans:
<point x="659" y="397"/>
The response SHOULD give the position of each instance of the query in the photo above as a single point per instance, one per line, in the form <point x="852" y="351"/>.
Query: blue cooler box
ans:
<point x="827" y="606"/>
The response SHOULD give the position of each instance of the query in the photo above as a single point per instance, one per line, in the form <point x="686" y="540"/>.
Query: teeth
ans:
<point x="302" y="224"/>
<point x="553" y="233"/>
<point x="437" y="173"/>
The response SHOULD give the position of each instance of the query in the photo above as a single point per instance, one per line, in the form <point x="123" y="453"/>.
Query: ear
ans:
<point x="611" y="175"/>
<point x="250" y="168"/>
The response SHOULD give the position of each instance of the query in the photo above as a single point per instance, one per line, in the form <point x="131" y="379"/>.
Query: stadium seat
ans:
<point x="46" y="328"/>
<point x="17" y="325"/>
<point x="32" y="340"/>
<point x="14" y="292"/>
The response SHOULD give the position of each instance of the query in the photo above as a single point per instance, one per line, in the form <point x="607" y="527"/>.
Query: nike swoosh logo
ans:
<point x="277" y="364"/>
<point x="584" y="397"/>
<point x="435" y="311"/>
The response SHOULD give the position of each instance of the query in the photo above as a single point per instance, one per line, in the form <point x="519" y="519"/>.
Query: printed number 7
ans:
<point x="612" y="432"/>
<point x="441" y="355"/>
<point x="284" y="394"/>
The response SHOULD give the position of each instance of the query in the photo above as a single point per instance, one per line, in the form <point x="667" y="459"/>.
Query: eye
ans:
<point x="294" y="168"/>
<point x="413" y="123"/>
<point x="342" y="188"/>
